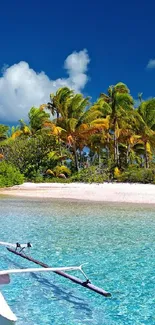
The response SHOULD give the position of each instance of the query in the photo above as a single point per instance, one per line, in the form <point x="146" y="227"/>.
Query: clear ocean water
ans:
<point x="116" y="241"/>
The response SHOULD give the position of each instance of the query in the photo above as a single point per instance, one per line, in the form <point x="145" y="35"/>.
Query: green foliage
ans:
<point x="3" y="131"/>
<point x="37" y="177"/>
<point x="50" y="172"/>
<point x="9" y="175"/>
<point x="91" y="175"/>
<point x="118" y="138"/>
<point x="147" y="112"/>
<point x="57" y="156"/>
<point x="30" y="155"/>
<point x="62" y="170"/>
<point x="116" y="172"/>
<point x="137" y="175"/>
<point x="37" y="118"/>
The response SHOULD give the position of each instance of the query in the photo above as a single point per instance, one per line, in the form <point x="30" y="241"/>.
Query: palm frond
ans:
<point x="71" y="124"/>
<point x="101" y="122"/>
<point x="121" y="88"/>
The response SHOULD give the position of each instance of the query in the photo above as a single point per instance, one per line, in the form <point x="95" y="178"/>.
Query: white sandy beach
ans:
<point x="107" y="192"/>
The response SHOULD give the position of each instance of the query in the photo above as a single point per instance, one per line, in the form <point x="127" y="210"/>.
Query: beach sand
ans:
<point x="107" y="192"/>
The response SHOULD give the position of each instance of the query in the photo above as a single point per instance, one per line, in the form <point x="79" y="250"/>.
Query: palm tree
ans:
<point x="128" y="141"/>
<point x="146" y="127"/>
<point x="19" y="130"/>
<point x="3" y="132"/>
<point x="58" y="101"/>
<point x="147" y="112"/>
<point x="37" y="119"/>
<point x="72" y="120"/>
<point x="120" y="105"/>
<point x="3" y="137"/>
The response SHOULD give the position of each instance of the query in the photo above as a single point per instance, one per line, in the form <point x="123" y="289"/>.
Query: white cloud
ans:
<point x="76" y="65"/>
<point x="21" y="87"/>
<point x="151" y="64"/>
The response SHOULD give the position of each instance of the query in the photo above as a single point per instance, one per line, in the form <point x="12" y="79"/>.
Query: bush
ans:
<point x="116" y="172"/>
<point x="38" y="179"/>
<point x="91" y="175"/>
<point x="30" y="154"/>
<point x="49" y="172"/>
<point x="137" y="175"/>
<point x="62" y="170"/>
<point x="9" y="175"/>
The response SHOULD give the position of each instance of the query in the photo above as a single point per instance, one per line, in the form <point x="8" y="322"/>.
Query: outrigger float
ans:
<point x="7" y="317"/>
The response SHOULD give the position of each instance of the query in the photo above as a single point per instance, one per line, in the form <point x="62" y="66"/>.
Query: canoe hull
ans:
<point x="4" y="321"/>
<point x="7" y="317"/>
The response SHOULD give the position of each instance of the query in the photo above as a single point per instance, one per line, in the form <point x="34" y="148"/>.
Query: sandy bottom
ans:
<point x="107" y="192"/>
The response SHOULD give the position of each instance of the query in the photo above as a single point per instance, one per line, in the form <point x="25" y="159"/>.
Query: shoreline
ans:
<point x="106" y="192"/>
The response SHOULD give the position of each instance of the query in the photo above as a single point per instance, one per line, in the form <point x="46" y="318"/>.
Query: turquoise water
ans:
<point x="116" y="242"/>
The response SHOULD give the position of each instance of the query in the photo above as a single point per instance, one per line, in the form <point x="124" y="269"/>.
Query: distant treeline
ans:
<point x="70" y="139"/>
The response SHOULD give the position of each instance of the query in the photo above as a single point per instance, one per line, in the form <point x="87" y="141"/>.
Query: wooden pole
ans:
<point x="74" y="279"/>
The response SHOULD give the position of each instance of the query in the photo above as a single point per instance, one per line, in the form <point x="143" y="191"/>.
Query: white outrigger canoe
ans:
<point x="7" y="317"/>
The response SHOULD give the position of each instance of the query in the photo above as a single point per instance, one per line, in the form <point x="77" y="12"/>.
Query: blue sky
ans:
<point x="39" y="35"/>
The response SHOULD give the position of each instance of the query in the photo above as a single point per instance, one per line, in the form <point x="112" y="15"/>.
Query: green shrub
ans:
<point x="35" y="176"/>
<point x="50" y="172"/>
<point x="91" y="175"/>
<point x="138" y="175"/>
<point x="9" y="175"/>
<point x="38" y="179"/>
<point x="62" y="170"/>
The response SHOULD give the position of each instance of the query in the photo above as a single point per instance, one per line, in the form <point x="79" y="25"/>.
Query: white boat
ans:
<point x="7" y="317"/>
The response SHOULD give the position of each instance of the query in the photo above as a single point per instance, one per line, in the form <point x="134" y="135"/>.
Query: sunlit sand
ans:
<point x="107" y="192"/>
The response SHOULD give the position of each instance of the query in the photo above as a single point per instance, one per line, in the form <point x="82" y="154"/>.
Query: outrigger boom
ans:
<point x="34" y="269"/>
<point x="86" y="283"/>
<point x="18" y="249"/>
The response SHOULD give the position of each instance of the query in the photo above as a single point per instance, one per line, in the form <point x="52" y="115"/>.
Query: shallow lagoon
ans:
<point x="117" y="243"/>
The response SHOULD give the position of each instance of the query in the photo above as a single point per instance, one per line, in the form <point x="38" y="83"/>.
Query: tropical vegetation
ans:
<point x="71" y="139"/>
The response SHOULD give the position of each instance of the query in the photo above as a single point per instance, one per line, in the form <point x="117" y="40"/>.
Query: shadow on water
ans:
<point x="61" y="294"/>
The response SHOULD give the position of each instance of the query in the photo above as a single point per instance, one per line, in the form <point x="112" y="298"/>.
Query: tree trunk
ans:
<point x="117" y="156"/>
<point x="127" y="154"/>
<point x="80" y="164"/>
<point x="114" y="123"/>
<point x="107" y="148"/>
<point x="99" y="157"/>
<point x="146" y="157"/>
<point x="57" y="112"/>
<point x="115" y="143"/>
<point x="75" y="158"/>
